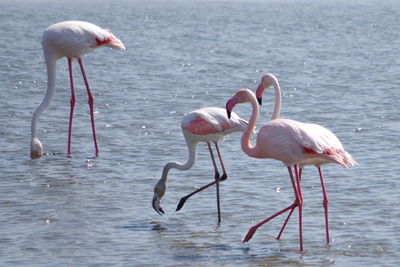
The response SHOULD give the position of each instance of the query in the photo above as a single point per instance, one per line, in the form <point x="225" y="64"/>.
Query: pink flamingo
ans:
<point x="71" y="39"/>
<point x="208" y="125"/>
<point x="292" y="142"/>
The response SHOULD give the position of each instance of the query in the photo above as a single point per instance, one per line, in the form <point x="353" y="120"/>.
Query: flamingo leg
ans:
<point x="183" y="199"/>
<point x="216" y="182"/>
<point x="254" y="228"/>
<point x="325" y="203"/>
<point x="72" y="104"/>
<point x="290" y="213"/>
<point x="284" y="224"/>
<point x="91" y="102"/>
<point x="222" y="178"/>
<point x="224" y="175"/>
<point x="300" y="206"/>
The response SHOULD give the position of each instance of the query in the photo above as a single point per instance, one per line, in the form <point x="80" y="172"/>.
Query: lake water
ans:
<point x="338" y="64"/>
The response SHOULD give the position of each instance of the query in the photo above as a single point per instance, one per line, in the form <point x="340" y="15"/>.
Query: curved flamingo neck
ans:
<point x="247" y="147"/>
<point x="277" y="109"/>
<point x="51" y="61"/>
<point x="192" y="149"/>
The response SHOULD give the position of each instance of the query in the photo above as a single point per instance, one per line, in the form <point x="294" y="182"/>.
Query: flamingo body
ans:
<point x="75" y="39"/>
<point x="294" y="142"/>
<point x="71" y="39"/>
<point x="211" y="124"/>
<point x="208" y="125"/>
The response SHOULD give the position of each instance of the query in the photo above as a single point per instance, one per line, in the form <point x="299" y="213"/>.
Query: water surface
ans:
<point x="338" y="66"/>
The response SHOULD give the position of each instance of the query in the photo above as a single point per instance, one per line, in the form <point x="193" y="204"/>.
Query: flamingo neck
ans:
<point x="247" y="147"/>
<point x="50" y="60"/>
<point x="277" y="109"/>
<point x="192" y="147"/>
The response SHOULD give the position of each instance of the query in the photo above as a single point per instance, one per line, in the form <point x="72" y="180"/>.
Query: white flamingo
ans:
<point x="71" y="39"/>
<point x="208" y="125"/>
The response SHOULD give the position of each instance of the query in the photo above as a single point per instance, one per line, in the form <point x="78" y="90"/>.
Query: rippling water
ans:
<point x="338" y="64"/>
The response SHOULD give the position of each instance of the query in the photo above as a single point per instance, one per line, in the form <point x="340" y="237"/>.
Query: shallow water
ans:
<point x="338" y="66"/>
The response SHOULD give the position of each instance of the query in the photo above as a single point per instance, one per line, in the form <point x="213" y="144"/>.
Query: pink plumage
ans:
<point x="294" y="143"/>
<point x="212" y="120"/>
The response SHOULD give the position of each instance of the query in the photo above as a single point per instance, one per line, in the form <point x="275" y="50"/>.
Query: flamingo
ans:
<point x="291" y="142"/>
<point x="71" y="39"/>
<point x="208" y="125"/>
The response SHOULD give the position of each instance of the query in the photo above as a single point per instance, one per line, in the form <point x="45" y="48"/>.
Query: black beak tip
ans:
<point x="259" y="101"/>
<point x="228" y="113"/>
<point x="159" y="211"/>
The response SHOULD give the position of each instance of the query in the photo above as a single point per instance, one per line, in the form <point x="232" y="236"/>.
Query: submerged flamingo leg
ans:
<point x="290" y="213"/>
<point x="90" y="101"/>
<point x="216" y="182"/>
<point x="72" y="104"/>
<point x="254" y="228"/>
<point x="224" y="175"/>
<point x="325" y="203"/>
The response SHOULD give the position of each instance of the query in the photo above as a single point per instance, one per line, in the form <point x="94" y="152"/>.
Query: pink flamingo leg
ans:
<point x="216" y="182"/>
<point x="290" y="213"/>
<point x="325" y="203"/>
<point x="300" y="206"/>
<point x="254" y="228"/>
<point x="286" y="221"/>
<point x="90" y="101"/>
<point x="72" y="104"/>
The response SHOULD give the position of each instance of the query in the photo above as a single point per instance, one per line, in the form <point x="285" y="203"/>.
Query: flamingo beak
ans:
<point x="230" y="105"/>
<point x="156" y="204"/>
<point x="259" y="92"/>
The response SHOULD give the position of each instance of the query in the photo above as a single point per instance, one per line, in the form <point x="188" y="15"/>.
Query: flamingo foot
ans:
<point x="250" y="233"/>
<point x="253" y="229"/>
<point x="181" y="203"/>
<point x="223" y="177"/>
<point x="183" y="199"/>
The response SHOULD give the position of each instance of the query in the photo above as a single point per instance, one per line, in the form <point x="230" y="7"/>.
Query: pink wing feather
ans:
<point x="212" y="120"/>
<point x="317" y="139"/>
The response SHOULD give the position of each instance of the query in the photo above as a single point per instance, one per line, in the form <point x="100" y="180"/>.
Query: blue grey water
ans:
<point x="338" y="64"/>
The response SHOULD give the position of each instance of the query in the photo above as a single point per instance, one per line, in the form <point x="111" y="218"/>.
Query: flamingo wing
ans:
<point x="316" y="139"/>
<point x="212" y="120"/>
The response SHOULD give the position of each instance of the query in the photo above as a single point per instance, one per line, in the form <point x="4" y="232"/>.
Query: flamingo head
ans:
<point x="116" y="43"/>
<point x="36" y="148"/>
<point x="266" y="81"/>
<point x="241" y="96"/>
<point x="110" y="41"/>
<point x="159" y="191"/>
